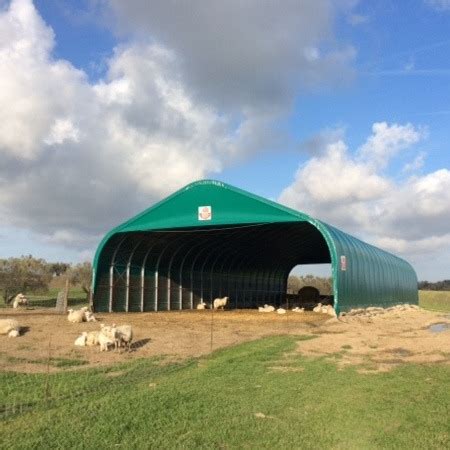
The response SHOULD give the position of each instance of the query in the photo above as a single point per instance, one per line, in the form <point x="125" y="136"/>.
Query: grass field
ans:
<point x="76" y="297"/>
<point x="435" y="300"/>
<point x="255" y="395"/>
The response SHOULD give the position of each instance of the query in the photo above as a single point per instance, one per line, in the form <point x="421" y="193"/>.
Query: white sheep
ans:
<point x="89" y="316"/>
<point x="92" y="338"/>
<point x="19" y="300"/>
<point x="318" y="308"/>
<point x="298" y="309"/>
<point x="80" y="341"/>
<point x="220" y="303"/>
<point x="107" y="336"/>
<point x="266" y="308"/>
<point x="76" y="316"/>
<point x="124" y="335"/>
<point x="10" y="327"/>
<point x="201" y="305"/>
<point x="281" y="311"/>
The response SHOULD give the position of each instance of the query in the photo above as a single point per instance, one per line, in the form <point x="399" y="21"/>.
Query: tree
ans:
<point x="59" y="268"/>
<point x="323" y="284"/>
<point x="81" y="275"/>
<point x="24" y="274"/>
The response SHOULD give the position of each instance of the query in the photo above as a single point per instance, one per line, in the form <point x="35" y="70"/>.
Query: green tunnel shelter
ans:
<point x="210" y="239"/>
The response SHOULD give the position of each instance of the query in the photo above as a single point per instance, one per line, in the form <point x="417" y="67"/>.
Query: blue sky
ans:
<point x="339" y="109"/>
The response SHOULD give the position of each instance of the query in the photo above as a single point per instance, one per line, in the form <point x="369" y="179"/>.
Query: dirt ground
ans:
<point x="382" y="342"/>
<point x="376" y="343"/>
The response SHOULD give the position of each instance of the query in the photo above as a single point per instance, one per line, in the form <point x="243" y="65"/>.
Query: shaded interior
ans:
<point x="177" y="269"/>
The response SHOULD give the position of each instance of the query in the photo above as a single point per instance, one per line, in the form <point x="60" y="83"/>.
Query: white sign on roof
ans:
<point x="204" y="213"/>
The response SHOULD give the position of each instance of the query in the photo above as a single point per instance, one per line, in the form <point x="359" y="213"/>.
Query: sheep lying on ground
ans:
<point x="19" y="300"/>
<point x="80" y="315"/>
<point x="266" y="308"/>
<point x="220" y="303"/>
<point x="89" y="316"/>
<point x="77" y="316"/>
<point x="80" y="341"/>
<point x="298" y="309"/>
<point x="10" y="327"/>
<point x="281" y="311"/>
<point x="318" y="308"/>
<point x="92" y="338"/>
<point x="201" y="305"/>
<point x="124" y="335"/>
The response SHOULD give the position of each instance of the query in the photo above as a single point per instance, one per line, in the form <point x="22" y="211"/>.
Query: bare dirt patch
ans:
<point x="382" y="342"/>
<point x="375" y="344"/>
<point x="174" y="334"/>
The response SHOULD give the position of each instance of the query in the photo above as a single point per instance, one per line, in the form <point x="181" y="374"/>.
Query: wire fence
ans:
<point x="43" y="368"/>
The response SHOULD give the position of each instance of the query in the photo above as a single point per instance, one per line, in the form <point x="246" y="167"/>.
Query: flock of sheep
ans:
<point x="108" y="336"/>
<point x="118" y="336"/>
<point x="324" y="309"/>
<point x="220" y="303"/>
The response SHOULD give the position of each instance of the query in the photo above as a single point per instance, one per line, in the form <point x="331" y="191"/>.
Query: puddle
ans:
<point x="439" y="327"/>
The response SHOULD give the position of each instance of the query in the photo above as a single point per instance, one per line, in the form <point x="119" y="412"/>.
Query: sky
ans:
<point x="339" y="109"/>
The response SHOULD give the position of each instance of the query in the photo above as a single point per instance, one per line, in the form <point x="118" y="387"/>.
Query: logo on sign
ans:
<point x="204" y="213"/>
<point x="343" y="262"/>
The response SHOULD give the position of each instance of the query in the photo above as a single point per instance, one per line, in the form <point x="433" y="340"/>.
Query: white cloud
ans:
<point x="439" y="5"/>
<point x="408" y="216"/>
<point x="236" y="54"/>
<point x="62" y="130"/>
<point x="386" y="141"/>
<point x="416" y="164"/>
<point x="177" y="103"/>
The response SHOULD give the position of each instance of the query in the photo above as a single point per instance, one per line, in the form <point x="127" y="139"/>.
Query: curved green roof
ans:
<point x="267" y="237"/>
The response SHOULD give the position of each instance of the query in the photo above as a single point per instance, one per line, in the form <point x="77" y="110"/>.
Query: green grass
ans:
<point x="232" y="399"/>
<point x="76" y="297"/>
<point x="56" y="362"/>
<point x="435" y="300"/>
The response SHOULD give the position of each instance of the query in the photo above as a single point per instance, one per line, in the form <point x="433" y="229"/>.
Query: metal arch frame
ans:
<point x="252" y="258"/>
<point x="214" y="250"/>
<point x="234" y="258"/>
<point x="169" y="271"/>
<point x="127" y="293"/>
<point x="144" y="263"/>
<point x="225" y="259"/>
<point x="181" y="271"/>
<point x="111" y="273"/>
<point x="259" y="274"/>
<point x="206" y="247"/>
<point x="239" y="255"/>
<point x="231" y="256"/>
<point x="228" y="238"/>
<point x="169" y="244"/>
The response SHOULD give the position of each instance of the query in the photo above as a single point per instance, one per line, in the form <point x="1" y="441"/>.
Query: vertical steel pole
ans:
<point x="127" y="292"/>
<point x="144" y="262"/>
<point x="111" y="274"/>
